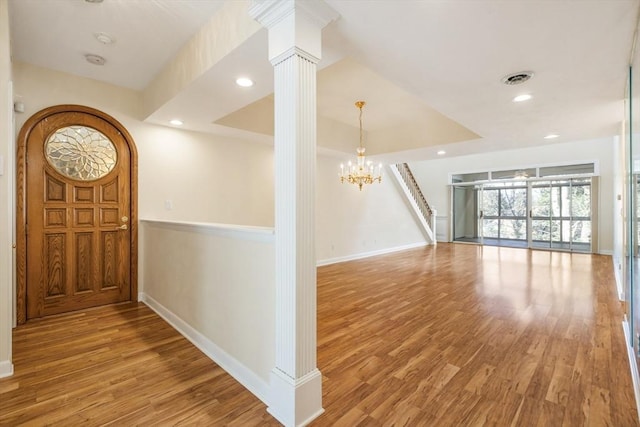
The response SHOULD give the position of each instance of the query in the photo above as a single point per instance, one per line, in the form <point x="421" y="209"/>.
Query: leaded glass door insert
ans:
<point x="81" y="153"/>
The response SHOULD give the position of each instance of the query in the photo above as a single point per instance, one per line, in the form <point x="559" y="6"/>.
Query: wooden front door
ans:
<point x="78" y="213"/>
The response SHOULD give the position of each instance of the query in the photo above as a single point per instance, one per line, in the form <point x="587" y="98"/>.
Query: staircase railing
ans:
<point x="412" y="189"/>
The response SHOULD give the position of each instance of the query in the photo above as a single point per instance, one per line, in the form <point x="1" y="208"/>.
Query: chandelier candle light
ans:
<point x="362" y="172"/>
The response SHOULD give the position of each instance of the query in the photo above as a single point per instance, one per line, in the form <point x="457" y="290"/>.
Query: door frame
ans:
<point x="21" y="201"/>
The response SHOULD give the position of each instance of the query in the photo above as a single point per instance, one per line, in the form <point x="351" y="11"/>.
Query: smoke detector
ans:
<point x="517" y="78"/>
<point x="95" y="59"/>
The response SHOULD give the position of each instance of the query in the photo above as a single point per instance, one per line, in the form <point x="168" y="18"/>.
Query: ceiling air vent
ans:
<point x="517" y="78"/>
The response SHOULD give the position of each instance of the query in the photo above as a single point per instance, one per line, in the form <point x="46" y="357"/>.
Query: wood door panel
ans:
<point x="55" y="255"/>
<point x="56" y="190"/>
<point x="81" y="301"/>
<point x="109" y="217"/>
<point x="83" y="194"/>
<point x="109" y="192"/>
<point x="84" y="262"/>
<point x="109" y="249"/>
<point x="55" y="217"/>
<point x="77" y="254"/>
<point x="84" y="217"/>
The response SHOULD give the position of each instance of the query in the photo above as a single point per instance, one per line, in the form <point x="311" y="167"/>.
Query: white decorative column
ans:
<point x="294" y="50"/>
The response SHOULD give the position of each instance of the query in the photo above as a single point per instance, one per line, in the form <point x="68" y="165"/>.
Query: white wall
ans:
<point x="221" y="180"/>
<point x="217" y="286"/>
<point x="433" y="175"/>
<point x="350" y="222"/>
<point x="206" y="178"/>
<point x="6" y="191"/>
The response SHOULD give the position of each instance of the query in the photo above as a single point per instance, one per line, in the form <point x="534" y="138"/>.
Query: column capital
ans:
<point x="293" y="24"/>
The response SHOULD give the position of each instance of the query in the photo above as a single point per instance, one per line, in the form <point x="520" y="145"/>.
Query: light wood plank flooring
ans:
<point x="455" y="335"/>
<point x="462" y="335"/>
<point x="119" y="365"/>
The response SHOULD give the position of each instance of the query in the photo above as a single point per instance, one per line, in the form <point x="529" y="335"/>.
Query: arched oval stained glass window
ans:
<point x="81" y="153"/>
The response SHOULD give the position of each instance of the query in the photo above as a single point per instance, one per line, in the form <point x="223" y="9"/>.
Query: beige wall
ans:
<point x="204" y="177"/>
<point x="212" y="179"/>
<point x="6" y="192"/>
<point x="219" y="281"/>
<point x="351" y="222"/>
<point x="207" y="179"/>
<point x="433" y="175"/>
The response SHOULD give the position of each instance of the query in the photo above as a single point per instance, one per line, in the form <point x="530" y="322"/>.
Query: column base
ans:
<point x="295" y="403"/>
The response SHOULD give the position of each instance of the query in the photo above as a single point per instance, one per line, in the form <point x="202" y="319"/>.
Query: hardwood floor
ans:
<point x="461" y="335"/>
<point x="122" y="366"/>
<point x="455" y="335"/>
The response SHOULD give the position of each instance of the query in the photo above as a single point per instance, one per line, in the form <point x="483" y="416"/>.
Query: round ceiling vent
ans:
<point x="95" y="59"/>
<point x="517" y="78"/>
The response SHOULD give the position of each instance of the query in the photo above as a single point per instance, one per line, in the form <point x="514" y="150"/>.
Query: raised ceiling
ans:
<point x="429" y="70"/>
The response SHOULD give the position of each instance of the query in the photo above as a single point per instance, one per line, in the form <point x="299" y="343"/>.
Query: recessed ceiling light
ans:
<point x="94" y="1"/>
<point x="95" y="59"/>
<point x="441" y="153"/>
<point x="104" y="38"/>
<point x="523" y="97"/>
<point x="551" y="136"/>
<point x="244" y="82"/>
<point x="176" y="122"/>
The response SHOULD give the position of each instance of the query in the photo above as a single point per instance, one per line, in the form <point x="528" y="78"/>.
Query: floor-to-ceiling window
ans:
<point x="527" y="211"/>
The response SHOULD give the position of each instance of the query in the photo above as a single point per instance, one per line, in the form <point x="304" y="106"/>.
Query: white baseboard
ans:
<point x="632" y="363"/>
<point x="606" y="252"/>
<point x="296" y="402"/>
<point x="232" y="366"/>
<point x="6" y="369"/>
<point x="362" y="255"/>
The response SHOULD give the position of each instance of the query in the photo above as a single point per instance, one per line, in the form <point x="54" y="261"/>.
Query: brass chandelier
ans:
<point x="362" y="172"/>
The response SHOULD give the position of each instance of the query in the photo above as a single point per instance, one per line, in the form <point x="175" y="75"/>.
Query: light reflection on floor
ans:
<point x="534" y="283"/>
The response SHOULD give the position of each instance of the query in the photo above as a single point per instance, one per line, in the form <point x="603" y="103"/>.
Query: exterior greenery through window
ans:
<point x="505" y="211"/>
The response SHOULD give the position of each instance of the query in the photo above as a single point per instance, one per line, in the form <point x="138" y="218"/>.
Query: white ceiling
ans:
<point x="444" y="57"/>
<point x="58" y="33"/>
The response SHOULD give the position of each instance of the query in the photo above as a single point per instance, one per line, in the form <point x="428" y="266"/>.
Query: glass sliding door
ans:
<point x="561" y="214"/>
<point x="504" y="214"/>
<point x="466" y="212"/>
<point x="544" y="212"/>
<point x="579" y="222"/>
<point x="554" y="214"/>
